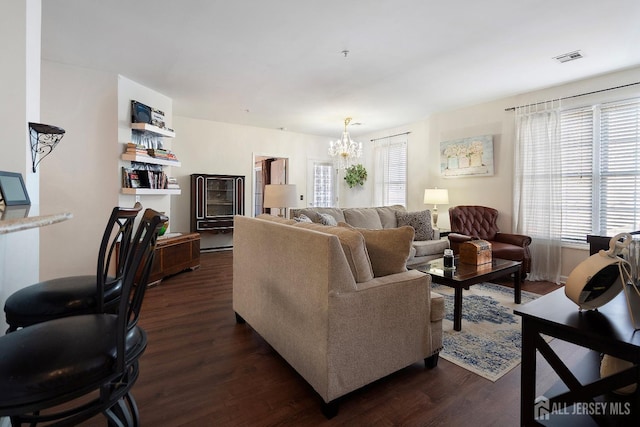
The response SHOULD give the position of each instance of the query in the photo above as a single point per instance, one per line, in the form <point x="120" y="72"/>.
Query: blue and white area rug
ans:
<point x="490" y="340"/>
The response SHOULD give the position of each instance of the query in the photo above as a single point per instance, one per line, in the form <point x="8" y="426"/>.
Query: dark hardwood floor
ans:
<point x="203" y="369"/>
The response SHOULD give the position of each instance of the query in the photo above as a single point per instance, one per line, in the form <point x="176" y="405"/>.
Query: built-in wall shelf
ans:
<point x="146" y="127"/>
<point x="152" y="191"/>
<point x="146" y="175"/>
<point x="148" y="159"/>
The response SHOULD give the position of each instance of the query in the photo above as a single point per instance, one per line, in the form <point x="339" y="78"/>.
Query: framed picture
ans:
<point x="12" y="189"/>
<point x="467" y="157"/>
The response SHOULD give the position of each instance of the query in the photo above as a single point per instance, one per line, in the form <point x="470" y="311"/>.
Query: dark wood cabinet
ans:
<point x="215" y="200"/>
<point x="174" y="253"/>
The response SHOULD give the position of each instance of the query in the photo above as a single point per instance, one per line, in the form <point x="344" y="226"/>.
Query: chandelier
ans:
<point x="345" y="151"/>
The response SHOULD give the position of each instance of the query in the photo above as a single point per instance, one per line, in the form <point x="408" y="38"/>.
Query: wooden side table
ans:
<point x="607" y="330"/>
<point x="175" y="252"/>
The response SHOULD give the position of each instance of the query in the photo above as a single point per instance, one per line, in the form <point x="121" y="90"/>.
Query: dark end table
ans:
<point x="607" y="330"/>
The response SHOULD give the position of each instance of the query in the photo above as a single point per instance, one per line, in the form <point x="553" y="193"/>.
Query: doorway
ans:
<point x="267" y="170"/>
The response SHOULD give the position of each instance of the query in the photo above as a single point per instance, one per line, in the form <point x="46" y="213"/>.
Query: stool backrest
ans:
<point x="134" y="285"/>
<point x="114" y="248"/>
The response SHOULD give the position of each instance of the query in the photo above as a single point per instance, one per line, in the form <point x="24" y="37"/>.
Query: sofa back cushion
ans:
<point x="353" y="246"/>
<point x="363" y="218"/>
<point x="387" y="215"/>
<point x="388" y="249"/>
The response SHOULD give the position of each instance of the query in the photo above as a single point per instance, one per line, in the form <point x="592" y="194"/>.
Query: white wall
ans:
<point x="225" y="149"/>
<point x="491" y="118"/>
<point x="19" y="104"/>
<point x="81" y="174"/>
<point x="84" y="171"/>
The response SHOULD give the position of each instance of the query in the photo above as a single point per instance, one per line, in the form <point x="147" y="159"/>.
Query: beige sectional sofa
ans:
<point x="311" y="292"/>
<point x="425" y="247"/>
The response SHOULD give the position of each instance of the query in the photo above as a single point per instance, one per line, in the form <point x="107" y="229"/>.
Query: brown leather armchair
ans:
<point x="479" y="222"/>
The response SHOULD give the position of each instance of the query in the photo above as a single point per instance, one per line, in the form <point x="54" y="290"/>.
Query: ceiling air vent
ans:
<point x="571" y="56"/>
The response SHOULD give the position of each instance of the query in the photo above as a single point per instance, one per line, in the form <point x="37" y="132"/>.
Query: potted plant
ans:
<point x="355" y="175"/>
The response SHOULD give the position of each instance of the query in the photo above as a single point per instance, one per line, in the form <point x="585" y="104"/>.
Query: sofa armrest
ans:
<point x="513" y="239"/>
<point x="459" y="238"/>
<point x="397" y="279"/>
<point x="383" y="326"/>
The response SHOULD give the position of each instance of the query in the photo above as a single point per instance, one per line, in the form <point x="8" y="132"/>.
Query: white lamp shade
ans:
<point x="436" y="196"/>
<point x="280" y="196"/>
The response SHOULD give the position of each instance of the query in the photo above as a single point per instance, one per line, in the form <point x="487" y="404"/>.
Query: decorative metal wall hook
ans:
<point x="44" y="139"/>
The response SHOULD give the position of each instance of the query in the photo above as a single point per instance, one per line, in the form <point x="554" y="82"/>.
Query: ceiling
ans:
<point x="280" y="64"/>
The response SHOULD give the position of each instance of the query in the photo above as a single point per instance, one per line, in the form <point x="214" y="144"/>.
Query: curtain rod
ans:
<point x="572" y="96"/>
<point x="390" y="136"/>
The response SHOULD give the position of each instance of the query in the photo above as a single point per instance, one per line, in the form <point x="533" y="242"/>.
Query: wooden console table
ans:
<point x="607" y="330"/>
<point x="175" y="252"/>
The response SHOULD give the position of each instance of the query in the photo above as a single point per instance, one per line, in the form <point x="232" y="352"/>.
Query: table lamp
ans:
<point x="280" y="196"/>
<point x="436" y="196"/>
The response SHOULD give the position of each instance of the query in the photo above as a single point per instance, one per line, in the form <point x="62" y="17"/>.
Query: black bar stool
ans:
<point x="67" y="360"/>
<point x="74" y="295"/>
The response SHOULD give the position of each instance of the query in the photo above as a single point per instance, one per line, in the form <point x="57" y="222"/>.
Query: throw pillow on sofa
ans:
<point x="420" y="221"/>
<point x="353" y="246"/>
<point x="388" y="248"/>
<point x="326" y="219"/>
<point x="302" y="218"/>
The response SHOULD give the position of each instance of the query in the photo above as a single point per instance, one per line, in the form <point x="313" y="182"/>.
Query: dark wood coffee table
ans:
<point x="466" y="275"/>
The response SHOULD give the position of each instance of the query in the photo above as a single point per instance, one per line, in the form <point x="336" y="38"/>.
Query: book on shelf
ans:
<point x="136" y="149"/>
<point x="143" y="178"/>
<point x="158" y="153"/>
<point x="130" y="178"/>
<point x="172" y="183"/>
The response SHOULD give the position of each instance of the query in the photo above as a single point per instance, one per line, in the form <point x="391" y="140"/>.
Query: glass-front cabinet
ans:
<point x="215" y="200"/>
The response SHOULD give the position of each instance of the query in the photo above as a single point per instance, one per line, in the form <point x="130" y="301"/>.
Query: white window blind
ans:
<point x="619" y="174"/>
<point x="600" y="170"/>
<point x="390" y="172"/>
<point x="323" y="185"/>
<point x="577" y="149"/>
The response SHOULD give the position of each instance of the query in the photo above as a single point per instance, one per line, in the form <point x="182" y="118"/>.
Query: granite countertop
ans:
<point x="19" y="224"/>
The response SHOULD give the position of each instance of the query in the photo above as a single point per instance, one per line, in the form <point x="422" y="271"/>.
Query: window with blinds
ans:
<point x="600" y="169"/>
<point x="576" y="151"/>
<point x="390" y="172"/>
<point x="324" y="187"/>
